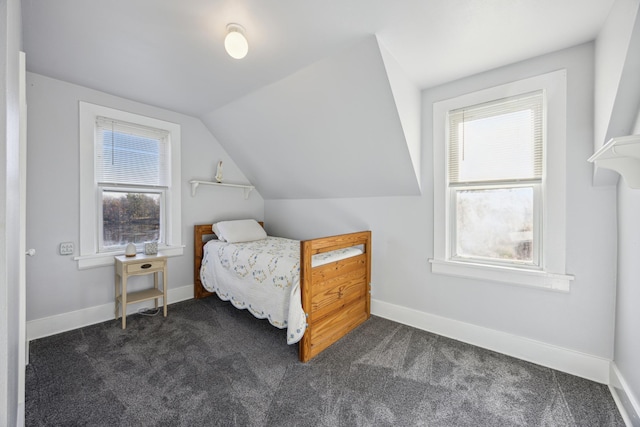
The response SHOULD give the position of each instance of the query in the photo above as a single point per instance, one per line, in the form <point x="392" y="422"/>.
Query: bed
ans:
<point x="331" y="280"/>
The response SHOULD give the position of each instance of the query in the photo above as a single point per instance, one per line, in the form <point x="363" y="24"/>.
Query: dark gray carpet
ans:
<point x="210" y="364"/>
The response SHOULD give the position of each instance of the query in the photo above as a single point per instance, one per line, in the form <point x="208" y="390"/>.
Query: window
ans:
<point x="495" y="152"/>
<point x="132" y="178"/>
<point x="130" y="184"/>
<point x="499" y="184"/>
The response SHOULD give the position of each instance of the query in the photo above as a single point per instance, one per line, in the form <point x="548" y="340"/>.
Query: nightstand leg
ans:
<point x="155" y="284"/>
<point x="116" y="286"/>
<point x="124" y="302"/>
<point x="164" y="288"/>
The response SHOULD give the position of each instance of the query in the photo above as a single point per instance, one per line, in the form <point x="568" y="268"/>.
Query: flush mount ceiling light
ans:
<point x="235" y="43"/>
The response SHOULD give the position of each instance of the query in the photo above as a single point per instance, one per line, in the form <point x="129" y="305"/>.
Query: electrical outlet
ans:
<point x="66" y="248"/>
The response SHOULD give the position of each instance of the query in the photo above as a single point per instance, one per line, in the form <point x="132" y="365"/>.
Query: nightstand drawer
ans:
<point x="147" y="266"/>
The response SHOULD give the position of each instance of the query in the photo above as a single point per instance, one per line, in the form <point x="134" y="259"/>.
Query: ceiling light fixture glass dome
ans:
<point x="235" y="43"/>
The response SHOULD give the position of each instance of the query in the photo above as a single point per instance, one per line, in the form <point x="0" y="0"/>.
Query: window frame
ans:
<point x="550" y="274"/>
<point x="90" y="192"/>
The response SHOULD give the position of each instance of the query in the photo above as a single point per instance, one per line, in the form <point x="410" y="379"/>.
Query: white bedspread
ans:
<point x="263" y="277"/>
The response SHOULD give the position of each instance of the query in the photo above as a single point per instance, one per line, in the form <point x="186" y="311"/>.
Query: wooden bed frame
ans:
<point x="336" y="296"/>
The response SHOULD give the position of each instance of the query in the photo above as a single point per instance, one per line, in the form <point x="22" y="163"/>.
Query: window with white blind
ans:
<point x="495" y="152"/>
<point x="130" y="184"/>
<point x="132" y="175"/>
<point x="499" y="183"/>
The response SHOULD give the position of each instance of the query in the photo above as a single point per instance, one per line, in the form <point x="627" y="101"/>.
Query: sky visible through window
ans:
<point x="495" y="224"/>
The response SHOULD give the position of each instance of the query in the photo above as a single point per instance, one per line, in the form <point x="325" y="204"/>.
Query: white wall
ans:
<point x="402" y="227"/>
<point x="407" y="101"/>
<point x="616" y="86"/>
<point x="611" y="52"/>
<point x="627" y="337"/>
<point x="10" y="365"/>
<point x="338" y="123"/>
<point x="55" y="286"/>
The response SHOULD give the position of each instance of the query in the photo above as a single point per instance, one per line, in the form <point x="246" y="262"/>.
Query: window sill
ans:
<point x="511" y="275"/>
<point x="106" y="259"/>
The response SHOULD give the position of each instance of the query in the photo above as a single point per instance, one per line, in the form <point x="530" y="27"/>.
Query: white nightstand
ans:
<point x="135" y="266"/>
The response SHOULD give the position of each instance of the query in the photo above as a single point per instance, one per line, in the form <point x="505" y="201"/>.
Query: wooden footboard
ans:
<point x="335" y="296"/>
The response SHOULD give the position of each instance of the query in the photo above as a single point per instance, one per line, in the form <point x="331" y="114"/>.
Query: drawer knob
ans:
<point x="145" y="266"/>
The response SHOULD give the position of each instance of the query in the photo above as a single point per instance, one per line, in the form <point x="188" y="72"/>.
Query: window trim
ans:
<point x="551" y="274"/>
<point x="89" y="256"/>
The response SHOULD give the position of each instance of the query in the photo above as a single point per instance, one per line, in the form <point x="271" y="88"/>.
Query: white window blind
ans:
<point x="130" y="154"/>
<point x="497" y="141"/>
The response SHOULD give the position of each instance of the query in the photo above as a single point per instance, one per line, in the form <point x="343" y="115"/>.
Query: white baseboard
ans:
<point x="21" y="415"/>
<point x="628" y="404"/>
<point x="40" y="328"/>
<point x="562" y="359"/>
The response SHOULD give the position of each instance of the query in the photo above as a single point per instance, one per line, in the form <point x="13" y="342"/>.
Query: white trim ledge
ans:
<point x="627" y="403"/>
<point x="584" y="365"/>
<point x="621" y="155"/>
<point x="511" y="275"/>
<point x="107" y="259"/>
<point x="40" y="328"/>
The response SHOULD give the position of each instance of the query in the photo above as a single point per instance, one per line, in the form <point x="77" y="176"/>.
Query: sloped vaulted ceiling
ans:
<point x="333" y="129"/>
<point x="318" y="108"/>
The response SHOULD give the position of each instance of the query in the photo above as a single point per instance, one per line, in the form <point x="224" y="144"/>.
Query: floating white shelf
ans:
<point x="623" y="156"/>
<point x="195" y="183"/>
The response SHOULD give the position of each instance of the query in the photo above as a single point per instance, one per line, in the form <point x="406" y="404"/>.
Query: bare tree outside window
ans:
<point x="130" y="217"/>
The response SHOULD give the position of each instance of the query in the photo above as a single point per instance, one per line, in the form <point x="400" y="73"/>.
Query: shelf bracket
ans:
<point x="194" y="187"/>
<point x="247" y="191"/>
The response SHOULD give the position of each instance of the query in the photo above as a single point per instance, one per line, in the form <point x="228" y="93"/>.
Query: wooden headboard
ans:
<point x="202" y="233"/>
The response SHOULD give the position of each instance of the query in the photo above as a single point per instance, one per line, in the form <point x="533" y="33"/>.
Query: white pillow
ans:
<point x="214" y="228"/>
<point x="243" y="230"/>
